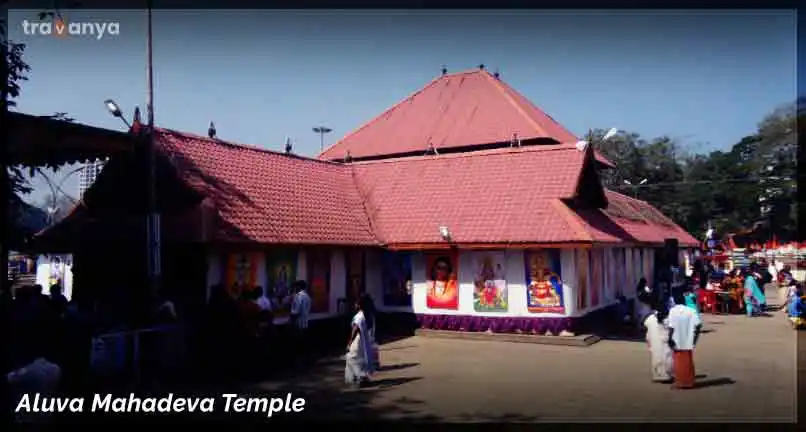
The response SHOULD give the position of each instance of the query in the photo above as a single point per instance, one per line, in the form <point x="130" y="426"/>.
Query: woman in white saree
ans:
<point x="359" y="365"/>
<point x="657" y="337"/>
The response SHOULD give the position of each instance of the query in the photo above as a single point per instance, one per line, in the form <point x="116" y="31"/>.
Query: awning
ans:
<point x="46" y="141"/>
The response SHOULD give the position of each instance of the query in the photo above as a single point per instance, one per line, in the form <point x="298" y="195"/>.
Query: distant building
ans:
<point x="89" y="174"/>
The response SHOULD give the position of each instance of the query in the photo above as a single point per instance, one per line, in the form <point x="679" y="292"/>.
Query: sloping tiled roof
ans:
<point x="482" y="197"/>
<point x="455" y="110"/>
<point x="631" y="220"/>
<point x="505" y="196"/>
<point x="268" y="197"/>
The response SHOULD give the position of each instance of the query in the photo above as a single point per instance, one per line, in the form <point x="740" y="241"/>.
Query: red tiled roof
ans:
<point x="498" y="196"/>
<point x="268" y="197"/>
<point x="482" y="197"/>
<point x="631" y="220"/>
<point x="455" y="110"/>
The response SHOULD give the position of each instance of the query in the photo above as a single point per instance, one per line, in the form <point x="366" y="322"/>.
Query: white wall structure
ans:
<point x="51" y="267"/>
<point x="622" y="268"/>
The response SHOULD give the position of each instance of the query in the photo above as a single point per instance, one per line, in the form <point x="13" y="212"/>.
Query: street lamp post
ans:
<point x="153" y="243"/>
<point x="635" y="186"/>
<point x="153" y="221"/>
<point x="322" y="130"/>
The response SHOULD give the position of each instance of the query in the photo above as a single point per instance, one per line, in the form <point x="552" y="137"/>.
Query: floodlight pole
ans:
<point x="153" y="218"/>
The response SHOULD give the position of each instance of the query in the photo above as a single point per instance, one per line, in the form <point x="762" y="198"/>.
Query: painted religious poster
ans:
<point x="319" y="280"/>
<point x="397" y="282"/>
<point x="582" y="278"/>
<point x="544" y="285"/>
<point x="241" y="272"/>
<point x="441" y="280"/>
<point x="596" y="277"/>
<point x="354" y="260"/>
<point x="281" y="271"/>
<point x="489" y="282"/>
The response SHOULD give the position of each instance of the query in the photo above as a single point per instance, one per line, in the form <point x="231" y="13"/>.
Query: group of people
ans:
<point x="244" y="324"/>
<point x="36" y="332"/>
<point x="745" y="285"/>
<point x="672" y="330"/>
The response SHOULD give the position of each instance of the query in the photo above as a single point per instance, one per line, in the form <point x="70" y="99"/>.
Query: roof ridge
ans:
<point x="528" y="101"/>
<point x="388" y="110"/>
<point x="220" y="142"/>
<point x="500" y="87"/>
<point x="366" y="204"/>
<point x="401" y="102"/>
<point x="478" y="153"/>
<point x="627" y="197"/>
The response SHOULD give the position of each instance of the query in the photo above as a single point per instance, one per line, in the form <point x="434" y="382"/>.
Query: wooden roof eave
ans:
<point x="47" y="141"/>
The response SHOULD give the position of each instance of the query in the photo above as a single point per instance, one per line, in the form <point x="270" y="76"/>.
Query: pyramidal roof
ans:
<point x="460" y="110"/>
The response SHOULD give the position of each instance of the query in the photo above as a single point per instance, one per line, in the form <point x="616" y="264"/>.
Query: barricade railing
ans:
<point x="137" y="355"/>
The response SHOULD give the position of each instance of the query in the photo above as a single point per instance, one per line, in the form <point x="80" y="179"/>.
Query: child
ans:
<point x="795" y="306"/>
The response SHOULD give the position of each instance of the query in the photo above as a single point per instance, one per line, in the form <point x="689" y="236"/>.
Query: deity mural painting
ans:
<point x="582" y="264"/>
<point x="319" y="280"/>
<point x="443" y="289"/>
<point x="397" y="280"/>
<point x="544" y="293"/>
<point x="281" y="271"/>
<point x="489" y="282"/>
<point x="241" y="272"/>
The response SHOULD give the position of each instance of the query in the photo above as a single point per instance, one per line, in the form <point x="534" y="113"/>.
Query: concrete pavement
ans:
<point x="746" y="370"/>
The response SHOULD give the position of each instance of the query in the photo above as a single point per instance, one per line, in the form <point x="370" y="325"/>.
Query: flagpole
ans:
<point x="153" y="220"/>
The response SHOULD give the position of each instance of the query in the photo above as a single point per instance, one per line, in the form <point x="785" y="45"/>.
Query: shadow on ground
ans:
<point x="498" y="418"/>
<point x="714" y="382"/>
<point x="327" y="398"/>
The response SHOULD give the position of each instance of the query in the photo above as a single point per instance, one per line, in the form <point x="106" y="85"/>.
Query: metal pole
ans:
<point x="322" y="141"/>
<point x="153" y="220"/>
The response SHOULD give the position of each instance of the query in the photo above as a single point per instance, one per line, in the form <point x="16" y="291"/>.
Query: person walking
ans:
<point x="684" y="331"/>
<point x="657" y="339"/>
<point x="300" y="309"/>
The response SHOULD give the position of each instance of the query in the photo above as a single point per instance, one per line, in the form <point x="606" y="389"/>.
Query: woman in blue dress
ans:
<point x="754" y="299"/>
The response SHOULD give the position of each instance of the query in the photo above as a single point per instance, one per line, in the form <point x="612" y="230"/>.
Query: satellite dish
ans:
<point x="612" y="132"/>
<point x="582" y="145"/>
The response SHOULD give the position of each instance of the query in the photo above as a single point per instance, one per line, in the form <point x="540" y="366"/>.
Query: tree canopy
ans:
<point x="749" y="187"/>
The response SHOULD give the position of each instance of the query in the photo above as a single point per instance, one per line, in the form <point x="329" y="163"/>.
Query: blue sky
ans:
<point x="706" y="78"/>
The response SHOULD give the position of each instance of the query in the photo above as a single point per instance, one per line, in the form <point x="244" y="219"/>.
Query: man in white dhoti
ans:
<point x="359" y="365"/>
<point x="657" y="335"/>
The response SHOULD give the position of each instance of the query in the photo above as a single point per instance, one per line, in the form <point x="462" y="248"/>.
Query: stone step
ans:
<point x="583" y="340"/>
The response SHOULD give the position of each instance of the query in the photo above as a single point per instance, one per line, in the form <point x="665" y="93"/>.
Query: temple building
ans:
<point x="463" y="204"/>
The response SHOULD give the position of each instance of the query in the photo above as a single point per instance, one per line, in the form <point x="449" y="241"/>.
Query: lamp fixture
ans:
<point x="444" y="233"/>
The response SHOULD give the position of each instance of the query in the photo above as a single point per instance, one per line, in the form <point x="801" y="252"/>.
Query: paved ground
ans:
<point x="746" y="372"/>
